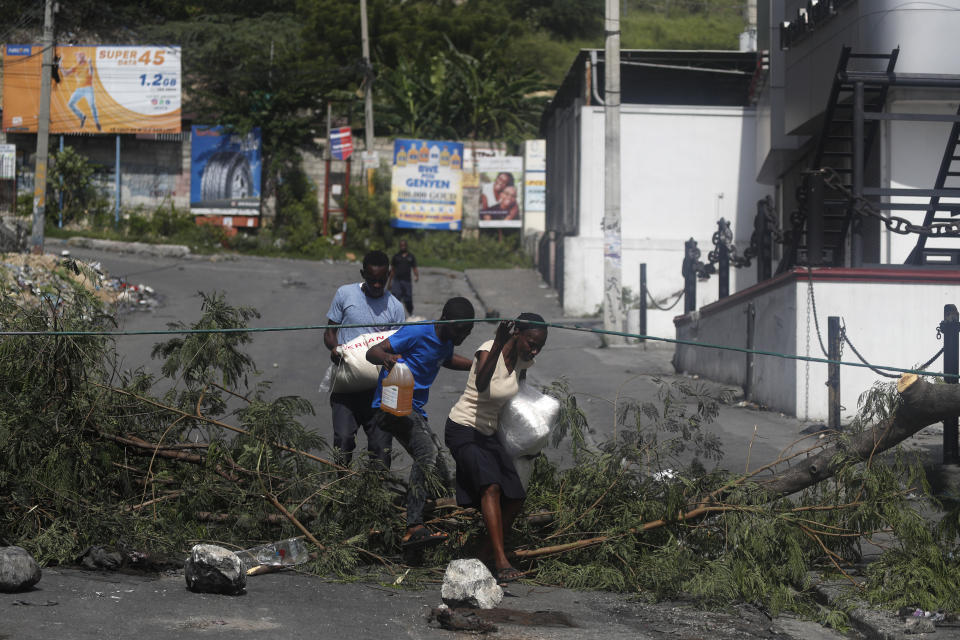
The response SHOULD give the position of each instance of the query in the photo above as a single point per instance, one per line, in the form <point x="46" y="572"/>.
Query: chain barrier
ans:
<point x="813" y="302"/>
<point x="678" y="295"/>
<point x="931" y="360"/>
<point x="844" y="338"/>
<point x="896" y="224"/>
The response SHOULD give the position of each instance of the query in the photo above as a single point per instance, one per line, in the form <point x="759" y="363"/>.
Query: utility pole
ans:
<point x="43" y="133"/>
<point x="368" y="91"/>
<point x="612" y="263"/>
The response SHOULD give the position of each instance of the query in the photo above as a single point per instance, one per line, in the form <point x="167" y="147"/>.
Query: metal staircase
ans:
<point x="920" y="253"/>
<point x="835" y="149"/>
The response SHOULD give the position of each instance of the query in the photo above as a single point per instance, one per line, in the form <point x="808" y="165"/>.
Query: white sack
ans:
<point x="526" y="421"/>
<point x="354" y="372"/>
<point x="525" y="425"/>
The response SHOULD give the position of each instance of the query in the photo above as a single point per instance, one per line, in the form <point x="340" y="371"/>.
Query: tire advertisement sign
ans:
<point x="501" y="192"/>
<point x="224" y="172"/>
<point x="95" y="89"/>
<point x="426" y="190"/>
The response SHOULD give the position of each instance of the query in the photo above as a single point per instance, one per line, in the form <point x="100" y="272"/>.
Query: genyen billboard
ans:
<point x="101" y="89"/>
<point x="426" y="188"/>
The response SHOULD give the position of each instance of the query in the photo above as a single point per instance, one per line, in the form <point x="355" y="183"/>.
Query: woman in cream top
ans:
<point x="486" y="477"/>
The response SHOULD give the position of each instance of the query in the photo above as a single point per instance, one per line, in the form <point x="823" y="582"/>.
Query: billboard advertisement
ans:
<point x="426" y="191"/>
<point x="534" y="184"/>
<point x="224" y="172"/>
<point x="501" y="194"/>
<point x="95" y="89"/>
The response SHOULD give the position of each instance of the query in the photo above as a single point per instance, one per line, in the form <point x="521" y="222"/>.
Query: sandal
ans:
<point x="508" y="574"/>
<point x="421" y="537"/>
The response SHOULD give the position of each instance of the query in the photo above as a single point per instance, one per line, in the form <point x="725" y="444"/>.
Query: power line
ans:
<point x="568" y="327"/>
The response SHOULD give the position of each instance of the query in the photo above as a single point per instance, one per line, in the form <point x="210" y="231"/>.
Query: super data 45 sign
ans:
<point x="108" y="89"/>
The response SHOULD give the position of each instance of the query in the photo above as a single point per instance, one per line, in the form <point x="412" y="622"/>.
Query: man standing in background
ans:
<point x="403" y="264"/>
<point x="369" y="304"/>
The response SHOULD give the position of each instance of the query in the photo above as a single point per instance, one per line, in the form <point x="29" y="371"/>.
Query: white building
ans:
<point x="688" y="155"/>
<point x="682" y="149"/>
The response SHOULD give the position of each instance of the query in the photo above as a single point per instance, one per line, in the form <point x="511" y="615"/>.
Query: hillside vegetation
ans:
<point x="440" y="69"/>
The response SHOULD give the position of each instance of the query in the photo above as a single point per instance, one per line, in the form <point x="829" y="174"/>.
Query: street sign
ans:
<point x="341" y="143"/>
<point x="371" y="159"/>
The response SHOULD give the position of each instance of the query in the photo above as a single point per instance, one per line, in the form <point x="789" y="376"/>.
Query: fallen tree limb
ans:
<point x="922" y="404"/>
<point x="218" y="423"/>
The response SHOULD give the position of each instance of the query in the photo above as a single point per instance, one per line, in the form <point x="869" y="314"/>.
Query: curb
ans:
<point x="872" y="622"/>
<point x="141" y="248"/>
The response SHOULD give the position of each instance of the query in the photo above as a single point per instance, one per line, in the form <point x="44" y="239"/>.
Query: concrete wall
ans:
<point x="890" y="316"/>
<point x="153" y="173"/>
<point x="682" y="168"/>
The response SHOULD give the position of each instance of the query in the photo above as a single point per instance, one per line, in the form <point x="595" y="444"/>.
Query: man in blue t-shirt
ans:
<point x="424" y="349"/>
<point x="368" y="304"/>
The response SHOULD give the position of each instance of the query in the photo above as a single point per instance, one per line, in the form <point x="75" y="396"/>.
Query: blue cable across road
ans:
<point x="569" y="327"/>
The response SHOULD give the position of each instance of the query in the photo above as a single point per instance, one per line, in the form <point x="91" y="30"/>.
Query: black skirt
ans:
<point x="481" y="461"/>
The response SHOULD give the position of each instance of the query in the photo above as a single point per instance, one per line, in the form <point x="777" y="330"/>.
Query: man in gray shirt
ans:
<point x="369" y="304"/>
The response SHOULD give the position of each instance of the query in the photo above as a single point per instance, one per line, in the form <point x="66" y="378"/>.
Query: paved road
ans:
<point x="81" y="605"/>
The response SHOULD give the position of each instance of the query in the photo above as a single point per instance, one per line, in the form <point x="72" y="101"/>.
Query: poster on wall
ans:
<point x="501" y="181"/>
<point x="95" y="89"/>
<point x="534" y="180"/>
<point x="224" y="171"/>
<point x="426" y="190"/>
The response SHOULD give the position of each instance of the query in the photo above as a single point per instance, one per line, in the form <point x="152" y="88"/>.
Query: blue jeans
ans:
<point x="350" y="412"/>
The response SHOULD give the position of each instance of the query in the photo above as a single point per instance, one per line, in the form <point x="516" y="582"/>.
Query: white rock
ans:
<point x="469" y="583"/>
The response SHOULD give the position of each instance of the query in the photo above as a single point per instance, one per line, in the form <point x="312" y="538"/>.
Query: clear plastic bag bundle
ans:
<point x="526" y="421"/>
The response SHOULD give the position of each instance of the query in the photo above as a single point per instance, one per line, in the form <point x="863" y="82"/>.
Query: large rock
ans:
<point x="469" y="583"/>
<point x="213" y="569"/>
<point x="18" y="570"/>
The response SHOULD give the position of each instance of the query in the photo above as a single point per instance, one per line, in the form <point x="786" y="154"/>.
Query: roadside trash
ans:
<point x="100" y="557"/>
<point x="285" y="553"/>
<point x="454" y="620"/>
<point x="666" y="474"/>
<point x="919" y="625"/>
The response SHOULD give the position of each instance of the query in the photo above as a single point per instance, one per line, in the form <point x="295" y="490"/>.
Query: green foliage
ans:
<point x="72" y="176"/>
<point x="166" y="225"/>
<point x="455" y="95"/>
<point x="704" y="30"/>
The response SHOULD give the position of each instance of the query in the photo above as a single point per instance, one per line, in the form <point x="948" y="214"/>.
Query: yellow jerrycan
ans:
<point x="396" y="396"/>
